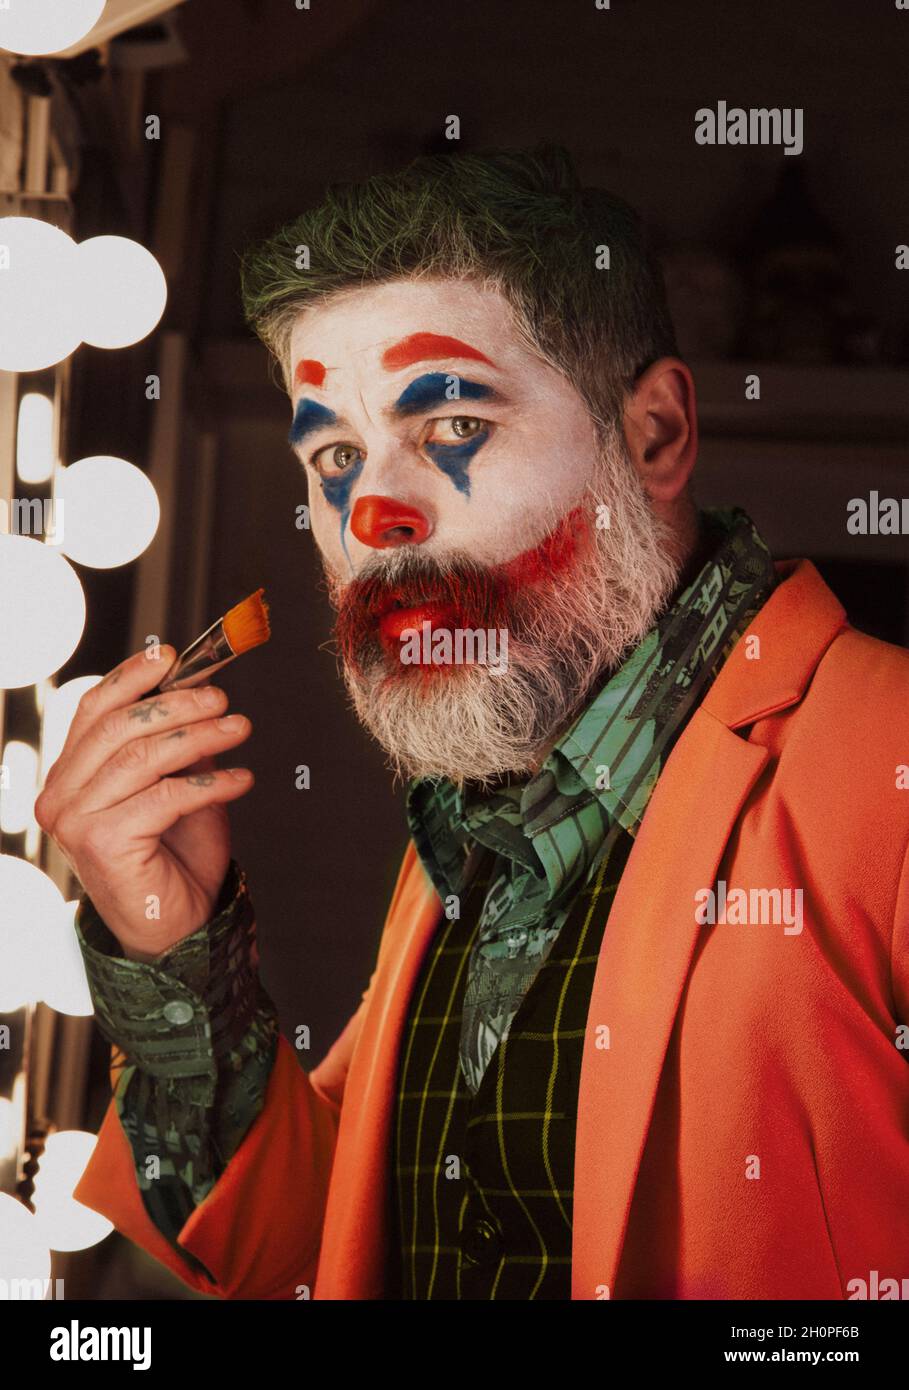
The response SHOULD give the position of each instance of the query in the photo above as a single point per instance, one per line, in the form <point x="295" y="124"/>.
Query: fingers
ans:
<point x="125" y="684"/>
<point x="142" y="761"/>
<point x="108" y="736"/>
<point x="153" y="811"/>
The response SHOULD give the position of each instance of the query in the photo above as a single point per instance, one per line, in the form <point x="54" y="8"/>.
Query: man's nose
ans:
<point x="383" y="522"/>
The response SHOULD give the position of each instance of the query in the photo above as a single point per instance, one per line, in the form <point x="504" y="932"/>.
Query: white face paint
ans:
<point x="491" y="486"/>
<point x="468" y="484"/>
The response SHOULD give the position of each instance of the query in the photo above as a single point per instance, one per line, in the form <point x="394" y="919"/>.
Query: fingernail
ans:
<point x="208" y="696"/>
<point x="240" y="774"/>
<point x="231" y="723"/>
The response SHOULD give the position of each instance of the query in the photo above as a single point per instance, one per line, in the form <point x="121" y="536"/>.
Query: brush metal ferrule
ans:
<point x="201" y="659"/>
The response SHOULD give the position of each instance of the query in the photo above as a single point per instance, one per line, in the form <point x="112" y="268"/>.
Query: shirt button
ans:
<point x="178" y="1011"/>
<point x="481" y="1242"/>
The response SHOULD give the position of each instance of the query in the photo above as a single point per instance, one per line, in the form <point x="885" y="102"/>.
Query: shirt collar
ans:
<point x="603" y="769"/>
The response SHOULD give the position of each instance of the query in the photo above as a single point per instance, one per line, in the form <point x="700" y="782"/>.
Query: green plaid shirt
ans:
<point x="196" y="1030"/>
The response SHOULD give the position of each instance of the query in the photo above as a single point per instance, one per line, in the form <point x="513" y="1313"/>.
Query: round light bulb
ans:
<point x="63" y="1161"/>
<point x="65" y="1223"/>
<point x="10" y="1129"/>
<point x="42" y="613"/>
<point x="23" y="1254"/>
<point x="110" y="511"/>
<point x="31" y="902"/>
<point x="63" y="983"/>
<point x="46" y="26"/>
<point x="59" y="712"/>
<point x="18" y="786"/>
<point x="122" y="291"/>
<point x="39" y="304"/>
<point x="35" y="438"/>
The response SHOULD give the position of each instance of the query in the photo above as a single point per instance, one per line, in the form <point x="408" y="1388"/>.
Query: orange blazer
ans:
<point x="745" y="1132"/>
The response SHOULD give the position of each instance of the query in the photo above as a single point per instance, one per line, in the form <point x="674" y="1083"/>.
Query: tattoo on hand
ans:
<point x="145" y="711"/>
<point x="177" y="733"/>
<point x="112" y="677"/>
<point x="201" y="779"/>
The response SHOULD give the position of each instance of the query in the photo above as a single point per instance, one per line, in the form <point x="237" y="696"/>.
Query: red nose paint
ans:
<point x="383" y="522"/>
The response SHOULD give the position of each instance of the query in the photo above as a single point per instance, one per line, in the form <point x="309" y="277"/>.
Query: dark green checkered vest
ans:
<point x="482" y="1185"/>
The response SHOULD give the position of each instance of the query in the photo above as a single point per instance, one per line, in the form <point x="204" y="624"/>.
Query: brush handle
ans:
<point x="201" y="659"/>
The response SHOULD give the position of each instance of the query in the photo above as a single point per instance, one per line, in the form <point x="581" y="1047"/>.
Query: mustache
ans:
<point x="479" y="596"/>
<point x="475" y="596"/>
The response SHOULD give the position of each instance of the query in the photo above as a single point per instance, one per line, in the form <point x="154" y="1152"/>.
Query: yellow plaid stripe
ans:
<point x="504" y="1157"/>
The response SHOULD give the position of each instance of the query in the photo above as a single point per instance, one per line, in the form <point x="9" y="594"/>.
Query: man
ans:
<point x="637" y="1024"/>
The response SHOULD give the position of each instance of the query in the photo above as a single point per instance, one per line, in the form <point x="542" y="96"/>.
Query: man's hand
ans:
<point x="140" y="839"/>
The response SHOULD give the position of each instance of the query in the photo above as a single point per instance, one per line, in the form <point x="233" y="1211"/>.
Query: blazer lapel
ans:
<point x="354" y="1236"/>
<point x="644" y="960"/>
<point x="652" y="934"/>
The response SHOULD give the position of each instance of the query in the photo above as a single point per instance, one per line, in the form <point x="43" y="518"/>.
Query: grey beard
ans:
<point x="469" y="725"/>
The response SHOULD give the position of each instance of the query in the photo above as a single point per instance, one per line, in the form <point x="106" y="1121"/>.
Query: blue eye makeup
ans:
<point x="430" y="391"/>
<point x="309" y="416"/>
<point x="337" y="494"/>
<point x="455" y="459"/>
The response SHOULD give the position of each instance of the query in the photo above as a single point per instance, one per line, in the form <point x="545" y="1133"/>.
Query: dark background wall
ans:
<point x="620" y="89"/>
<point x="275" y="103"/>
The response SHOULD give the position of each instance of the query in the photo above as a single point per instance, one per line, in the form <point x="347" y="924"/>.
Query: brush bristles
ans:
<point x="246" y="625"/>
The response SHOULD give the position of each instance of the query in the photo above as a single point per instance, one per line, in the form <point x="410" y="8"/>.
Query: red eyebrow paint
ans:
<point x="422" y="347"/>
<point x="309" y="371"/>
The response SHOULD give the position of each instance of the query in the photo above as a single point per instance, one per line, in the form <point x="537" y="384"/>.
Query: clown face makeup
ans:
<point x="455" y="481"/>
<point x="422" y="418"/>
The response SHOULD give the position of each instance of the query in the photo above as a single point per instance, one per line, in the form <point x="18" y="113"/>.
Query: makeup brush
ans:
<point x="244" y="627"/>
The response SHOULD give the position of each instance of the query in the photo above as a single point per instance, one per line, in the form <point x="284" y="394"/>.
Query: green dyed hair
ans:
<point x="516" y="220"/>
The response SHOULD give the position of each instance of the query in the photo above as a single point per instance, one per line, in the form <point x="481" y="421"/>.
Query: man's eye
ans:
<point x="335" y="459"/>
<point x="455" y="428"/>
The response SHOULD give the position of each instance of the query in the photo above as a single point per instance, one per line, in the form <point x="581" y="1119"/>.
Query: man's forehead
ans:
<point x="389" y="328"/>
<point x="394" y="355"/>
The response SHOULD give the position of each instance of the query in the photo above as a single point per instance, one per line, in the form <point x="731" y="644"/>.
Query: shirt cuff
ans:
<point x="178" y="1015"/>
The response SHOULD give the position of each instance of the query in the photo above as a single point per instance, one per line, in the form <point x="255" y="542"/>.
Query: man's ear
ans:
<point x="661" y="428"/>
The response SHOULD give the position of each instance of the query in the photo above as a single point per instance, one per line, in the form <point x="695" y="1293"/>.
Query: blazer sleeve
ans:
<point x="257" y="1234"/>
<point x="198" y="1033"/>
<point x="254" y="1236"/>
